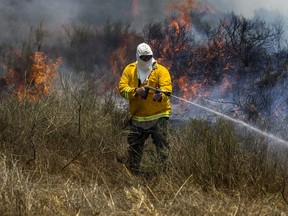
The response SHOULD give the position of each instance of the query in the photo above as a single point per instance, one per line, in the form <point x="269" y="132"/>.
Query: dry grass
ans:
<point x="58" y="157"/>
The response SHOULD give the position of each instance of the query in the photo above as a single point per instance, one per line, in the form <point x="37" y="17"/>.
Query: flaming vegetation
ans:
<point x="38" y="77"/>
<point x="58" y="151"/>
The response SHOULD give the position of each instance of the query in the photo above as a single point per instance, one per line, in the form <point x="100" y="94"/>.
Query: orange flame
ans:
<point x="184" y="9"/>
<point x="38" y="78"/>
<point x="190" y="91"/>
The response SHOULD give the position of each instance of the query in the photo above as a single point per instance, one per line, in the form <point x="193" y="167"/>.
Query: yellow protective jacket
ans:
<point x="146" y="109"/>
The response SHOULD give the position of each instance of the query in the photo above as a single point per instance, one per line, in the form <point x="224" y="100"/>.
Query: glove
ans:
<point x="140" y="91"/>
<point x="157" y="97"/>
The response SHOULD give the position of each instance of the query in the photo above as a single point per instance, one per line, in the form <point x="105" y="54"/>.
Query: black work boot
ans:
<point x="133" y="165"/>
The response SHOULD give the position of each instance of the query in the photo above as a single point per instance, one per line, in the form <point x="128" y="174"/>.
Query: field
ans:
<point x="59" y="157"/>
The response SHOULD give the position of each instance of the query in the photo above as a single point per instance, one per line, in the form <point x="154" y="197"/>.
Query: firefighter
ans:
<point x="149" y="109"/>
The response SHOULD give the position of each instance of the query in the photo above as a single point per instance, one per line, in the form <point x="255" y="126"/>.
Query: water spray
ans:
<point x="271" y="136"/>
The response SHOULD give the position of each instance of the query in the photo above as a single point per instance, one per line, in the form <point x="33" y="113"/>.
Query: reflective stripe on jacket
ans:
<point x="146" y="109"/>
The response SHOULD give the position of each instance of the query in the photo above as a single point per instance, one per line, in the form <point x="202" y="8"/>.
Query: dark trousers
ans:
<point x="137" y="137"/>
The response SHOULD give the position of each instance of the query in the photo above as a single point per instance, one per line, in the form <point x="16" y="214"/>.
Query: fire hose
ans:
<point x="157" y="90"/>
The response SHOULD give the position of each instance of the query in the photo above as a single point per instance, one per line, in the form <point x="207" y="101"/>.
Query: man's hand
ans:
<point x="140" y="91"/>
<point x="157" y="97"/>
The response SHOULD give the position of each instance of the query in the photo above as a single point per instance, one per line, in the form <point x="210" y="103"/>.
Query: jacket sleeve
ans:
<point x="165" y="82"/>
<point x="125" y="89"/>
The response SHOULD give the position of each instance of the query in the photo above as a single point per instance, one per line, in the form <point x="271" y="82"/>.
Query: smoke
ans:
<point x="251" y="8"/>
<point x="18" y="16"/>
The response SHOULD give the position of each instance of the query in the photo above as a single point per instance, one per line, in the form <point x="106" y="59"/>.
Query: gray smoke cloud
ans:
<point x="251" y="8"/>
<point x="18" y="16"/>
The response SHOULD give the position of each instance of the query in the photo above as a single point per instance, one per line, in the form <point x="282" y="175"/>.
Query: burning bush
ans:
<point x="35" y="81"/>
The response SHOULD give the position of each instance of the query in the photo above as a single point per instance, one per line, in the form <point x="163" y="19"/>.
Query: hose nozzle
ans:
<point x="157" y="90"/>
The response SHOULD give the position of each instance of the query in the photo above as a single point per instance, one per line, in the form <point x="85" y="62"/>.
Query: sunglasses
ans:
<point x="145" y="57"/>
